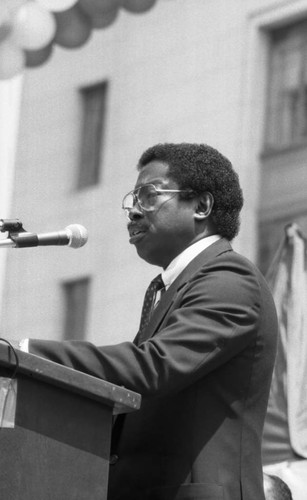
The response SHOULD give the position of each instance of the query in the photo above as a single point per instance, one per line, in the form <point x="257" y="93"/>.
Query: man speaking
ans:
<point x="203" y="357"/>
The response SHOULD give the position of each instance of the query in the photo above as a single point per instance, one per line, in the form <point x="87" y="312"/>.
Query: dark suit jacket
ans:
<point x="204" y="374"/>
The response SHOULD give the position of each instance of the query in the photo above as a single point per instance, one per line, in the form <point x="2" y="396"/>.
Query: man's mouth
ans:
<point x="135" y="234"/>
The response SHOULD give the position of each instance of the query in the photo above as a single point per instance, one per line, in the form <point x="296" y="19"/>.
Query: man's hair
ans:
<point x="201" y="168"/>
<point x="275" y="488"/>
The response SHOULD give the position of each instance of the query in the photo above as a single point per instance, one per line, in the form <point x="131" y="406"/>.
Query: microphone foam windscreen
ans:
<point x="78" y="235"/>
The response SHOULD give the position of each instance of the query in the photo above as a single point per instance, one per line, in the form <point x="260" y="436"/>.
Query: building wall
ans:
<point x="188" y="70"/>
<point x="9" y="121"/>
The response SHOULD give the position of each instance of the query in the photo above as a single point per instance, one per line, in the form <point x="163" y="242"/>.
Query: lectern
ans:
<point x="58" y="445"/>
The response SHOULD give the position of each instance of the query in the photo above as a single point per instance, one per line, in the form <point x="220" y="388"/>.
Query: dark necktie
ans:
<point x="148" y="306"/>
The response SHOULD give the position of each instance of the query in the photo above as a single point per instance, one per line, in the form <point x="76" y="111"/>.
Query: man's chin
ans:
<point x="149" y="256"/>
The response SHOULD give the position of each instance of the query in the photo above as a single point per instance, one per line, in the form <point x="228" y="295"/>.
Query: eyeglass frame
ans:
<point x="158" y="191"/>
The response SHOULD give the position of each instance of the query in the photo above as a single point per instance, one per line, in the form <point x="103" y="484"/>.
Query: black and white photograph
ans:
<point x="153" y="249"/>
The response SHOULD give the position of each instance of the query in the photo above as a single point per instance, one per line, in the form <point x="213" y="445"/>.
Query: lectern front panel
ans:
<point x="59" y="448"/>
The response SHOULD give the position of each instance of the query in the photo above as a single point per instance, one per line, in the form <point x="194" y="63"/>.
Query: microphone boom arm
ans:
<point x="14" y="228"/>
<point x="73" y="235"/>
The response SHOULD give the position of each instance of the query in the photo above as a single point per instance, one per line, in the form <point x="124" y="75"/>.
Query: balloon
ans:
<point x="101" y="12"/>
<point x="104" y="20"/>
<point x="11" y="6"/>
<point x="12" y="60"/>
<point x="73" y="28"/>
<point x="5" y="30"/>
<point x="137" y="6"/>
<point x="37" y="57"/>
<point x="5" y="23"/>
<point x="94" y="7"/>
<point x="33" y="26"/>
<point x="57" y="5"/>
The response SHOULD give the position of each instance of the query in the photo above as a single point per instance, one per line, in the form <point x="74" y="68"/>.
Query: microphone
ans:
<point x="74" y="236"/>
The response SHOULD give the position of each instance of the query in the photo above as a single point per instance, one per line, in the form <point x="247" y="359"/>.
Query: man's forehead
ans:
<point x="155" y="173"/>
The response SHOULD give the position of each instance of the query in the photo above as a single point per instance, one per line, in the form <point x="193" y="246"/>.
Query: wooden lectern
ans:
<point x="58" y="447"/>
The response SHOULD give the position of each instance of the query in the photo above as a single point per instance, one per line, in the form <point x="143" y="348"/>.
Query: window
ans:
<point x="94" y="110"/>
<point x="76" y="298"/>
<point x="287" y="99"/>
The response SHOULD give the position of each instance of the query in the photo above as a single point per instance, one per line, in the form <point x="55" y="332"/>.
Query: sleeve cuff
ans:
<point x="24" y="345"/>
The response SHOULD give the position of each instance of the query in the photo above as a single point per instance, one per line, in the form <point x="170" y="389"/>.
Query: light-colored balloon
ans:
<point x="12" y="60"/>
<point x="33" y="26"/>
<point x="73" y="28"/>
<point x="57" y="5"/>
<point x="137" y="6"/>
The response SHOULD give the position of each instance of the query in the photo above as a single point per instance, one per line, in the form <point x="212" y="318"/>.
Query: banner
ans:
<point x="284" y="447"/>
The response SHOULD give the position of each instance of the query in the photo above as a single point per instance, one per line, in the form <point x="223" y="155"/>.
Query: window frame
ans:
<point x="94" y="100"/>
<point x="76" y="296"/>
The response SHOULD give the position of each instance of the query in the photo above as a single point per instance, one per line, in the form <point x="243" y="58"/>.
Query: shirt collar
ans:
<point x="184" y="258"/>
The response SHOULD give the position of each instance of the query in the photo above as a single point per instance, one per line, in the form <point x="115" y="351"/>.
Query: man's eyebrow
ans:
<point x="155" y="182"/>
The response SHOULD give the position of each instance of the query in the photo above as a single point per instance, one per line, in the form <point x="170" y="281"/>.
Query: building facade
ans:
<point x="229" y="73"/>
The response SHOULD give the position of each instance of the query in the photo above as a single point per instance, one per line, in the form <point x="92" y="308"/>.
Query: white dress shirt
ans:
<point x="184" y="258"/>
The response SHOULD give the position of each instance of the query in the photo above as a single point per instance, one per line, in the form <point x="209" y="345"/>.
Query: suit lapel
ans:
<point x="170" y="295"/>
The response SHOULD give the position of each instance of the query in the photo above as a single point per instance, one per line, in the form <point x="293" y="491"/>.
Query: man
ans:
<point x="203" y="362"/>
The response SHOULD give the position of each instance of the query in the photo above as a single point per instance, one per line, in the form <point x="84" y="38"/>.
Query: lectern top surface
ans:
<point x="119" y="398"/>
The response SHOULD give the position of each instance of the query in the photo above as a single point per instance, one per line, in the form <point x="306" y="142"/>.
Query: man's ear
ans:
<point x="204" y="207"/>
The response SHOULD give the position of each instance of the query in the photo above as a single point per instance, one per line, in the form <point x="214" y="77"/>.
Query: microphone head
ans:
<point x="77" y="235"/>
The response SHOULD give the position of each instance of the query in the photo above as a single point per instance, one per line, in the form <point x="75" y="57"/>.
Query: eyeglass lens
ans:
<point x="145" y="196"/>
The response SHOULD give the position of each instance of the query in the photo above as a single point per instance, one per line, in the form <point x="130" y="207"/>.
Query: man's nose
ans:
<point x="135" y="212"/>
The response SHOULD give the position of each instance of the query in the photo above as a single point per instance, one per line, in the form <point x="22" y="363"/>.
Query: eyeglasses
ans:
<point x="146" y="197"/>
